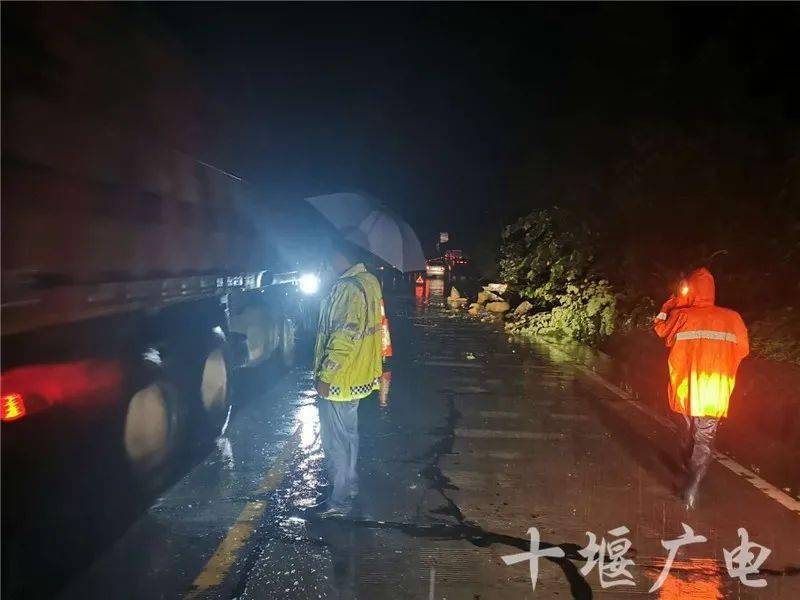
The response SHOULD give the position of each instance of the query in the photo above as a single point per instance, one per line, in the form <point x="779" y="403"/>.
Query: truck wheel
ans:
<point x="261" y="332"/>
<point x="215" y="388"/>
<point x="288" y="343"/>
<point x="152" y="428"/>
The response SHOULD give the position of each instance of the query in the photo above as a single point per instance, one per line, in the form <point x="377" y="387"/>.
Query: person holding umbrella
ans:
<point x="353" y="334"/>
<point x="347" y="368"/>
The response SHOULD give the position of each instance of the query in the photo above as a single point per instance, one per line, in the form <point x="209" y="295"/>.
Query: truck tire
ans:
<point x="215" y="388"/>
<point x="152" y="429"/>
<point x="262" y="334"/>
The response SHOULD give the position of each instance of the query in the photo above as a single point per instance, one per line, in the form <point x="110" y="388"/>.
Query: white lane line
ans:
<point x="499" y="414"/>
<point x="469" y="389"/>
<point x="450" y="364"/>
<point x="726" y="461"/>
<point x="504" y="434"/>
<point x="765" y="486"/>
<point x="568" y="416"/>
<point x="492" y="454"/>
<point x="625" y="396"/>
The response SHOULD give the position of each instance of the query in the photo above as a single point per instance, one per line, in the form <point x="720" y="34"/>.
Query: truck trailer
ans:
<point x="135" y="274"/>
<point x="137" y="280"/>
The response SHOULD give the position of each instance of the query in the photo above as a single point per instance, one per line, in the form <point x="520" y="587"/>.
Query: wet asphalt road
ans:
<point x="481" y="439"/>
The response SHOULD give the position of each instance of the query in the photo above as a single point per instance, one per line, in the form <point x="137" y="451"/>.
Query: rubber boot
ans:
<point x="687" y="446"/>
<point x="705" y="430"/>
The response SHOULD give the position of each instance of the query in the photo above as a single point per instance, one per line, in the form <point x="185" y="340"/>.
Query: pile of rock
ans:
<point x="491" y="304"/>
<point x="455" y="301"/>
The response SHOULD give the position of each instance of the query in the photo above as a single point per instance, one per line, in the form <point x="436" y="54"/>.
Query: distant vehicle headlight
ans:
<point x="308" y="284"/>
<point x="435" y="270"/>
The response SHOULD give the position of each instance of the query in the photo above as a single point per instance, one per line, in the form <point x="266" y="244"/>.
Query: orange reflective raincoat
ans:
<point x="708" y="342"/>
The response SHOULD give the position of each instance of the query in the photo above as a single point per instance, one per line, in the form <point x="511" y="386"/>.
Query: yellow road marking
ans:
<point x="228" y="551"/>
<point x="226" y="554"/>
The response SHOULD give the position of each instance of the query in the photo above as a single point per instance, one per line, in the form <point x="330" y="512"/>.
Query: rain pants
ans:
<point x="347" y="355"/>
<point x="708" y="342"/>
<point x="338" y="423"/>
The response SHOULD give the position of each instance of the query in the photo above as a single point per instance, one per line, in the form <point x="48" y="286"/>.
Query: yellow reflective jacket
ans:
<point x="347" y="355"/>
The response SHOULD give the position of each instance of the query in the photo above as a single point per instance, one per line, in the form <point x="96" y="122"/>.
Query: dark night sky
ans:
<point x="434" y="108"/>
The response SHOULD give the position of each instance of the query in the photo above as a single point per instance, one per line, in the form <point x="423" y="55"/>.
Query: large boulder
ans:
<point x="457" y="303"/>
<point x="476" y="309"/>
<point x="497" y="288"/>
<point x="487" y="296"/>
<point x="523" y="309"/>
<point x="498" y="307"/>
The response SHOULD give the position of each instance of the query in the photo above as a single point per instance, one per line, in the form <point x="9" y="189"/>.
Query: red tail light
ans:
<point x="13" y="407"/>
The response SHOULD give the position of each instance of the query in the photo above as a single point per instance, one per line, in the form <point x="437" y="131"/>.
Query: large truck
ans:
<point x="138" y="283"/>
<point x="135" y="274"/>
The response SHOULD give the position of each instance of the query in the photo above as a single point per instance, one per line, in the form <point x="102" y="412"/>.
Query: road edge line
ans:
<point x="770" y="490"/>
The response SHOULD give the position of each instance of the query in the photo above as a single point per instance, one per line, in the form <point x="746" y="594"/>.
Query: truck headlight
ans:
<point x="308" y="284"/>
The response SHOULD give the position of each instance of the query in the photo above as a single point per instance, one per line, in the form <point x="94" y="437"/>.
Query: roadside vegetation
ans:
<point x="609" y="206"/>
<point x="583" y="286"/>
<point x="551" y="264"/>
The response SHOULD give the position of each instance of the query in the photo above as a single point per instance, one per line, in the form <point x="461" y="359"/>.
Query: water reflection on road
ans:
<point x="693" y="578"/>
<point x="480" y="441"/>
<point x="429" y="292"/>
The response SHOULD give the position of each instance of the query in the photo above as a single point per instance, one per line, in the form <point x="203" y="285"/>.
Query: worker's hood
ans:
<point x="697" y="289"/>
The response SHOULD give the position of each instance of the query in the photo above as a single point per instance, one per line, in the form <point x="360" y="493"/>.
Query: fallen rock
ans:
<point x="498" y="307"/>
<point x="523" y="309"/>
<point x="487" y="296"/>
<point x="456" y="303"/>
<point x="493" y="297"/>
<point x="497" y="288"/>
<point x="476" y="309"/>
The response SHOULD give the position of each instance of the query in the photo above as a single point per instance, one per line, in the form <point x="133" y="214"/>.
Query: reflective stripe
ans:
<point x="706" y="334"/>
<point x="662" y="316"/>
<point x="366" y="389"/>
